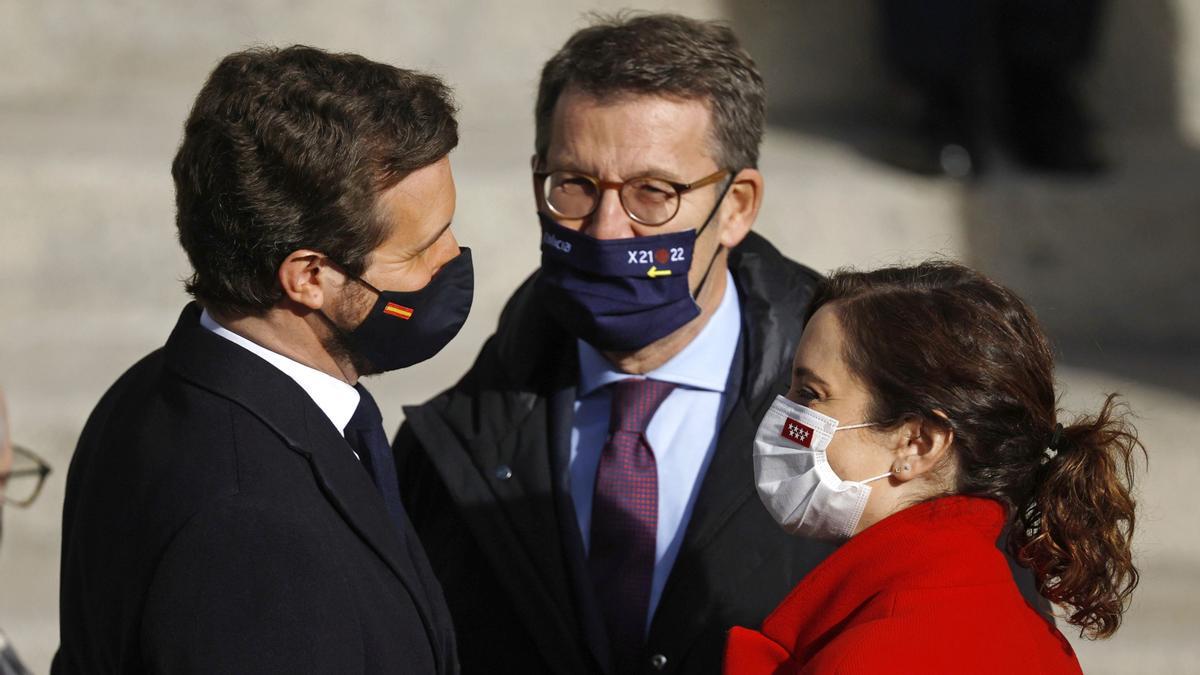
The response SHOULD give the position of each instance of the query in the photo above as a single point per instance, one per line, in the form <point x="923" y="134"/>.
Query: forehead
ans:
<point x="423" y="200"/>
<point x="820" y="348"/>
<point x="619" y="136"/>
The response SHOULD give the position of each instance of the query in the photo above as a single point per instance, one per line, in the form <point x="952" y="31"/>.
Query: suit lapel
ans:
<point x="216" y="364"/>
<point x="562" y="405"/>
<point x="727" y="486"/>
<point x="507" y="476"/>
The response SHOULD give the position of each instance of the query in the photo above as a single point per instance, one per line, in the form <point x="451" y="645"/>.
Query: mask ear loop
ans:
<point x="342" y="268"/>
<point x="707" y="222"/>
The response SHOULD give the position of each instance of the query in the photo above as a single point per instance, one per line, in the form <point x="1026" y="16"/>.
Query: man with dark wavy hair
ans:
<point x="233" y="506"/>
<point x="585" y="492"/>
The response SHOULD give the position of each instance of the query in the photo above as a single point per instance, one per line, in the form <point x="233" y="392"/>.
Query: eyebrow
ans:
<point x="655" y="172"/>
<point x="437" y="235"/>
<point x="802" y="373"/>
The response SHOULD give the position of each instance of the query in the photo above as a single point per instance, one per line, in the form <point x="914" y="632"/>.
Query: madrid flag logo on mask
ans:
<point x="797" y="433"/>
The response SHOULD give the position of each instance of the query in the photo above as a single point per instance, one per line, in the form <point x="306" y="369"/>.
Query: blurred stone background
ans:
<point x="94" y="95"/>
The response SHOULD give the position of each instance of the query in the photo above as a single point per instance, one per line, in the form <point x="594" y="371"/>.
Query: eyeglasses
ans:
<point x="646" y="199"/>
<point x="23" y="482"/>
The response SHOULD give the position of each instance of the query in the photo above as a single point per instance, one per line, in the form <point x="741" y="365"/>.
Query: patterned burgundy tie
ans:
<point x="625" y="518"/>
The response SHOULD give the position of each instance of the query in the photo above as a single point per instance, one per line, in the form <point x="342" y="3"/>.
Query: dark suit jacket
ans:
<point x="484" y="474"/>
<point x="217" y="522"/>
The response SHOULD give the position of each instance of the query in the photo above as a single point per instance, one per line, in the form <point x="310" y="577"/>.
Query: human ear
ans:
<point x="305" y="278"/>
<point x="740" y="206"/>
<point x="921" y="447"/>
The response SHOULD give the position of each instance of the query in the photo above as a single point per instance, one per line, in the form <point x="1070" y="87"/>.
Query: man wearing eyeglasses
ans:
<point x="585" y="492"/>
<point x="21" y="477"/>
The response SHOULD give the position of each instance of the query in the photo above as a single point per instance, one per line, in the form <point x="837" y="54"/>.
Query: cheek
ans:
<point x="576" y="224"/>
<point x="841" y="456"/>
<point x="353" y="306"/>
<point x="412" y="275"/>
<point x="420" y="271"/>
<point x="853" y="458"/>
<point x="704" y="254"/>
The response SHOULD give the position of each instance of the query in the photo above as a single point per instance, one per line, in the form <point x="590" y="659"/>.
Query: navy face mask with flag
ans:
<point x="617" y="294"/>
<point x="406" y="328"/>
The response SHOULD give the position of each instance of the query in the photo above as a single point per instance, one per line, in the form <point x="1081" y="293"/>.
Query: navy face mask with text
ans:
<point x="616" y="294"/>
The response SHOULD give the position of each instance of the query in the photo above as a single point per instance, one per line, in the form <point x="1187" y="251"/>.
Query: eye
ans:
<point x="573" y="185"/>
<point x="804" y="396"/>
<point x="652" y="190"/>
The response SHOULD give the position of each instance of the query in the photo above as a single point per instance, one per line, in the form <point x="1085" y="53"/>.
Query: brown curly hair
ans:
<point x="941" y="338"/>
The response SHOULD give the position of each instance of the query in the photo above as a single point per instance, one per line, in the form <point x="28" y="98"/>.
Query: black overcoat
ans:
<point x="217" y="522"/>
<point x="484" y="474"/>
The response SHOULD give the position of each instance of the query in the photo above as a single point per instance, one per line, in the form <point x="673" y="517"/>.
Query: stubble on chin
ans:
<point x="349" y="311"/>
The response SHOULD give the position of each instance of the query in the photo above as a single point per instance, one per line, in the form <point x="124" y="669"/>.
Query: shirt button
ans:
<point x="658" y="661"/>
<point x="503" y="472"/>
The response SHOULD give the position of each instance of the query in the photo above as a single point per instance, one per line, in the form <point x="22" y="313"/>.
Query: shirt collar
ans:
<point x="334" y="397"/>
<point x="692" y="367"/>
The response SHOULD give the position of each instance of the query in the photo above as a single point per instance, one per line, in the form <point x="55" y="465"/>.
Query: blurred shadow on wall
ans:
<point x="822" y="66"/>
<point x="1110" y="262"/>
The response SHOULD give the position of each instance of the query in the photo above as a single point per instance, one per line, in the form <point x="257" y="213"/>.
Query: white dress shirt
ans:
<point x="334" y="397"/>
<point x="682" y="433"/>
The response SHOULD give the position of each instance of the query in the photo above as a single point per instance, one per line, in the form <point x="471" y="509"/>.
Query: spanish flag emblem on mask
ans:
<point x="398" y="311"/>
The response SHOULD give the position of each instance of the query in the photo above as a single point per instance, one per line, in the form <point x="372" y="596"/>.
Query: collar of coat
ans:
<point x="948" y="542"/>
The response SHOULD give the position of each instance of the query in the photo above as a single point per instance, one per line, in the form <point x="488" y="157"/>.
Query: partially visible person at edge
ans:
<point x="232" y="506"/>
<point x="10" y="663"/>
<point x="922" y="419"/>
<point x="656" y="314"/>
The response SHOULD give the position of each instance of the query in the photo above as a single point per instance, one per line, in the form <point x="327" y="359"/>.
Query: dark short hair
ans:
<point x="663" y="55"/>
<point x="941" y="339"/>
<point x="289" y="148"/>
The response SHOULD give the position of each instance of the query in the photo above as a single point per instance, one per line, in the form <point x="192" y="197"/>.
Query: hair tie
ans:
<point x="1056" y="439"/>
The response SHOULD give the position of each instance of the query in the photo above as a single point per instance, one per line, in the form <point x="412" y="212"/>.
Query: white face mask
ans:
<point x="794" y="479"/>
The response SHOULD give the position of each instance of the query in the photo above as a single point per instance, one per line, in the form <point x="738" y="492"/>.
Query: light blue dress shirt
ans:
<point x="683" y="432"/>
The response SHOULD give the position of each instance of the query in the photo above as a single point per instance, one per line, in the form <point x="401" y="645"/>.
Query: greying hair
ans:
<point x="663" y="55"/>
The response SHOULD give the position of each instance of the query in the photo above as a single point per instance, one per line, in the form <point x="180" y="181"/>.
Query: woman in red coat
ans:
<point x="945" y="384"/>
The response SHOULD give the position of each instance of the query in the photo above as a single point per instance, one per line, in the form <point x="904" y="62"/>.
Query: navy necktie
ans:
<point x="365" y="434"/>
<point x="625" y="518"/>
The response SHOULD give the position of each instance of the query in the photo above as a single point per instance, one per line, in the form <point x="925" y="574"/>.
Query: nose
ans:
<point x="609" y="220"/>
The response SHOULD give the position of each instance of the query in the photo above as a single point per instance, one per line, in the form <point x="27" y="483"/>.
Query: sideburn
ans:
<point x="354" y="301"/>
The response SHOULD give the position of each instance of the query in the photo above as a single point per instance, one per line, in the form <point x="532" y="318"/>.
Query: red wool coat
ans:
<point x="922" y="591"/>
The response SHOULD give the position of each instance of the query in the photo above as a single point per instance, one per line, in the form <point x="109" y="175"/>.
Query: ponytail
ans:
<point x="940" y="341"/>
<point x="1075" y="531"/>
